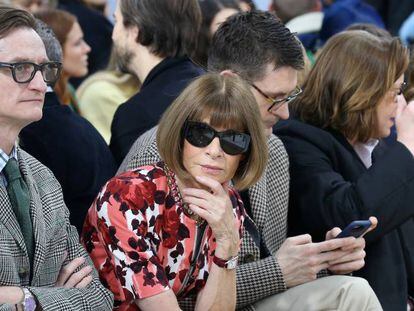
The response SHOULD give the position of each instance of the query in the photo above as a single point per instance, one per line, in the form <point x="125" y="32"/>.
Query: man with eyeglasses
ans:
<point x="275" y="272"/>
<point x="82" y="150"/>
<point x="42" y="264"/>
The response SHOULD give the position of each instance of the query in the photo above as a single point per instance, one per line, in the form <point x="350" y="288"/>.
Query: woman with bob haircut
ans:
<point x="161" y="232"/>
<point x="351" y="99"/>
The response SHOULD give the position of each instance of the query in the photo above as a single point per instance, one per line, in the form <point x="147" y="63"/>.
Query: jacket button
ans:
<point x="248" y="258"/>
<point x="23" y="272"/>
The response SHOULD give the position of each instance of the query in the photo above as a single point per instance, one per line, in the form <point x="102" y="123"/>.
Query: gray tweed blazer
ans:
<point x="56" y="243"/>
<point x="256" y="278"/>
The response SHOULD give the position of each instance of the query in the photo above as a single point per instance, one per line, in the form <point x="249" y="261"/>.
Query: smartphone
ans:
<point x="355" y="229"/>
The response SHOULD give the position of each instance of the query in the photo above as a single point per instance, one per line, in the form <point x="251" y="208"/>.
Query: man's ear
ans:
<point x="133" y="33"/>
<point x="228" y="73"/>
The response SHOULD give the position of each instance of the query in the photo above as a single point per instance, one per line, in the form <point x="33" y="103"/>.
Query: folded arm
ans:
<point x="92" y="297"/>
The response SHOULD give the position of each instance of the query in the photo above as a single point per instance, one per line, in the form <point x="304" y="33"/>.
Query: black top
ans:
<point x="74" y="151"/>
<point x="143" y="111"/>
<point x="330" y="186"/>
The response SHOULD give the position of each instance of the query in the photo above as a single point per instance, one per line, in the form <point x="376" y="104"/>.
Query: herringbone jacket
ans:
<point x="255" y="278"/>
<point x="56" y="244"/>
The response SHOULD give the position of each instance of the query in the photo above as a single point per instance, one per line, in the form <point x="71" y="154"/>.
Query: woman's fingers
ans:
<point x="197" y="193"/>
<point x="212" y="184"/>
<point x="201" y="212"/>
<point x="199" y="202"/>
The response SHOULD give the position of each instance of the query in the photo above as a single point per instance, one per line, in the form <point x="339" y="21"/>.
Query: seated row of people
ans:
<point x="354" y="204"/>
<point x="144" y="226"/>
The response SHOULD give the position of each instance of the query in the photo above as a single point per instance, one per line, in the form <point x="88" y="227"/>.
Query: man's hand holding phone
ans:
<point x="354" y="258"/>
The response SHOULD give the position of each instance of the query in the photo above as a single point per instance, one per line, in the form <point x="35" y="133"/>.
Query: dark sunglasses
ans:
<point x="24" y="72"/>
<point x="201" y="135"/>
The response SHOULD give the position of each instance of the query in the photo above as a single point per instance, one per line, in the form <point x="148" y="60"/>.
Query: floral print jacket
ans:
<point x="141" y="241"/>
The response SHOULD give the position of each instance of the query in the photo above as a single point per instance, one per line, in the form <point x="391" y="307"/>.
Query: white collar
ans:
<point x="364" y="151"/>
<point x="306" y="23"/>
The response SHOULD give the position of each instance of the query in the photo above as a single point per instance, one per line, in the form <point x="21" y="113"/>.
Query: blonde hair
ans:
<point x="351" y="76"/>
<point x="228" y="102"/>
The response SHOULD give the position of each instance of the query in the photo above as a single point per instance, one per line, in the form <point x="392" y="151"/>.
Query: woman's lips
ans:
<point x="212" y="170"/>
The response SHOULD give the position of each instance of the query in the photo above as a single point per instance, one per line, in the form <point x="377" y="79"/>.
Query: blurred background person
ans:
<point x="406" y="31"/>
<point x="75" y="52"/>
<point x="372" y="29"/>
<point x="213" y="12"/>
<point x="102" y="93"/>
<point x="158" y="53"/>
<point x="98" y="5"/>
<point x="248" y="5"/>
<point x="303" y="17"/>
<point x="33" y="5"/>
<point x="393" y="12"/>
<point x="343" y="13"/>
<point x="97" y="29"/>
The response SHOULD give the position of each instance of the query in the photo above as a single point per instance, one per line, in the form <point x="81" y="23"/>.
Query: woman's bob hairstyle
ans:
<point x="353" y="73"/>
<point x="227" y="102"/>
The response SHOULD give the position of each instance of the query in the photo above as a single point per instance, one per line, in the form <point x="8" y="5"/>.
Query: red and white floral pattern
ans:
<point x="141" y="241"/>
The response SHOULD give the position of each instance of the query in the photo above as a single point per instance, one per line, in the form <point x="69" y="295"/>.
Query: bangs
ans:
<point x="220" y="114"/>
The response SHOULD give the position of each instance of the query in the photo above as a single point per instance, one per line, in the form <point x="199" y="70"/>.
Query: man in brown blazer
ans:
<point x="42" y="264"/>
<point x="275" y="272"/>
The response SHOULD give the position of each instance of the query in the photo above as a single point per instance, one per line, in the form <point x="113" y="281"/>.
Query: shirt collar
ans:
<point x="4" y="157"/>
<point x="364" y="151"/>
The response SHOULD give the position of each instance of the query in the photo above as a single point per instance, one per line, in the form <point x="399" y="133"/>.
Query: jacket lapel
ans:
<point x="258" y="198"/>
<point x="36" y="213"/>
<point x="9" y="220"/>
<point x="269" y="197"/>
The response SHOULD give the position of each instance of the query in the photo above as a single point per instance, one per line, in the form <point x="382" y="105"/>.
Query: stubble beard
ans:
<point x="124" y="58"/>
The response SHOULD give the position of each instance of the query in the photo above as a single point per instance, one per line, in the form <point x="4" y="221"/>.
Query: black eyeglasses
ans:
<point x="201" y="135"/>
<point x="276" y="103"/>
<point x="24" y="72"/>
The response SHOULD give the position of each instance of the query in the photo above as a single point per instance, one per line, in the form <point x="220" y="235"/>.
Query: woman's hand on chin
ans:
<point x="216" y="208"/>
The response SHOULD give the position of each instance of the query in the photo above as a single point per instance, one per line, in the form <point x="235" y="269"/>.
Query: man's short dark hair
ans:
<point x="248" y="41"/>
<point x="168" y="27"/>
<point x="12" y="19"/>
